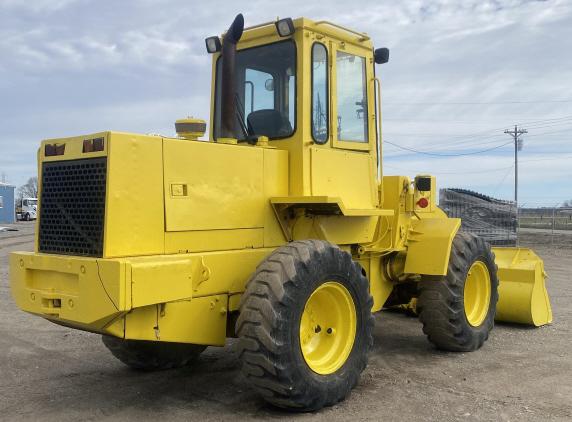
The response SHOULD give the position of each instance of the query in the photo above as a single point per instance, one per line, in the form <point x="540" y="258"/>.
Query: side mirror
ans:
<point x="269" y="84"/>
<point x="381" y="55"/>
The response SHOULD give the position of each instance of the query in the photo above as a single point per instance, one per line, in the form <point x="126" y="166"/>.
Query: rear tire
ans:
<point x="294" y="291"/>
<point x="152" y="355"/>
<point x="458" y="310"/>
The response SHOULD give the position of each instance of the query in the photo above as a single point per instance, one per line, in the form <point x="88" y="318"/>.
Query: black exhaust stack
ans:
<point x="228" y="111"/>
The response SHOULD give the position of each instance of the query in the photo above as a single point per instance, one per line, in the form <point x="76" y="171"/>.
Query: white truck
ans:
<point x="26" y="209"/>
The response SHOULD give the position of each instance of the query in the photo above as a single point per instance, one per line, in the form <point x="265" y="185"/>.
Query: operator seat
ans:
<point x="268" y="122"/>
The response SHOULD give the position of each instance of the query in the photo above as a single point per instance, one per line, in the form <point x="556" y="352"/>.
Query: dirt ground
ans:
<point x="48" y="372"/>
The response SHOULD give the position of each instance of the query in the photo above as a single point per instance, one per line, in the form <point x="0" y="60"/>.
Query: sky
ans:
<point x="459" y="74"/>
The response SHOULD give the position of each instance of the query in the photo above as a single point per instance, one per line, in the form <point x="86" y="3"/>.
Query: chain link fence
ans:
<point x="492" y="219"/>
<point x="546" y="225"/>
<point x="498" y="221"/>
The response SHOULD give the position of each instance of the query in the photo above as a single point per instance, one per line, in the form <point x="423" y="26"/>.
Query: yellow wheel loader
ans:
<point x="280" y="230"/>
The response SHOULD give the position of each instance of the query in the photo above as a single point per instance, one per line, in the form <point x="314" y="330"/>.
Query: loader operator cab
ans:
<point x="309" y="88"/>
<point x="264" y="80"/>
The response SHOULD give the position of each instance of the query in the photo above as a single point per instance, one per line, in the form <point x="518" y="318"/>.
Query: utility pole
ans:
<point x="517" y="147"/>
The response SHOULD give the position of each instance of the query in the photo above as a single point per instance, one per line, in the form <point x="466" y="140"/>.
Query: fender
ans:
<point x="429" y="245"/>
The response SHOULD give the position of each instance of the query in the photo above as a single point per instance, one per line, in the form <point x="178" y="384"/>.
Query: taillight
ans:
<point x="51" y="150"/>
<point x="93" y="145"/>
<point x="423" y="203"/>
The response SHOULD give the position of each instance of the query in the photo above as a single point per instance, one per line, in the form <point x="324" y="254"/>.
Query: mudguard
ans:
<point x="429" y="245"/>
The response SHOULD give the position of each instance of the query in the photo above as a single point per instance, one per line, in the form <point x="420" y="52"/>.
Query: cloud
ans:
<point x="36" y="6"/>
<point x="75" y="66"/>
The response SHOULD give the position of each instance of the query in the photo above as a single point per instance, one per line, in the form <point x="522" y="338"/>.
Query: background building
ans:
<point x="7" y="205"/>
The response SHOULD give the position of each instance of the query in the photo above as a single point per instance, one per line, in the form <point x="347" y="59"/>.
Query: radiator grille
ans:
<point x="72" y="207"/>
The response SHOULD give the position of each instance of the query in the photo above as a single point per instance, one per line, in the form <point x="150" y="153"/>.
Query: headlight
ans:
<point x="285" y="27"/>
<point x="213" y="44"/>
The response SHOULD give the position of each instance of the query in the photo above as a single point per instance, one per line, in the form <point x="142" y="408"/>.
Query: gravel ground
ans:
<point x="50" y="372"/>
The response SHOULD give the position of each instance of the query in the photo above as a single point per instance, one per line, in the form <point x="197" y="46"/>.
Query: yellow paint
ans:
<point x="213" y="240"/>
<point x="175" y="278"/>
<point x="328" y="328"/>
<point x="225" y="193"/>
<point x="334" y="204"/>
<point x="197" y="321"/>
<point x="477" y="293"/>
<point x="95" y="294"/>
<point x="234" y="302"/>
<point x="134" y="215"/>
<point x="346" y="175"/>
<point x="336" y="229"/>
<point x="380" y="287"/>
<point x="69" y="290"/>
<point x="275" y="181"/>
<point x="522" y="291"/>
<point x="429" y="245"/>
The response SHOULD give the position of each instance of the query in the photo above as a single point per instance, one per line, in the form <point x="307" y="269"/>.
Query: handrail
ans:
<point x="260" y="25"/>
<point x="377" y="82"/>
<point x="362" y="36"/>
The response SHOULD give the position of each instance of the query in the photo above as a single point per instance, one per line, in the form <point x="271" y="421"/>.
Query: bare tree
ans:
<point x="29" y="189"/>
<point x="567" y="203"/>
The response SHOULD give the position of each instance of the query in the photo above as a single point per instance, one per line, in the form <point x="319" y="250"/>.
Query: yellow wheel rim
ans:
<point x="477" y="294"/>
<point x="328" y="328"/>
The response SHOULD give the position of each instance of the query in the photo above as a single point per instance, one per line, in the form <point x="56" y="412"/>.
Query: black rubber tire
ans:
<point x="26" y="217"/>
<point x="441" y="301"/>
<point x="269" y="325"/>
<point x="152" y="355"/>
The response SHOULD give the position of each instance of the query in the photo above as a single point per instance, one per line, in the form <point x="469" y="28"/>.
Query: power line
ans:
<point x="452" y="172"/>
<point x="446" y="155"/>
<point x="469" y="139"/>
<point x="547" y="158"/>
<point x="531" y="123"/>
<point x="480" y="103"/>
<point x="550" y="133"/>
<point x="502" y="180"/>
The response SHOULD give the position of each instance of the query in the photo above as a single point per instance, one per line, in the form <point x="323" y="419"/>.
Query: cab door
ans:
<point x="344" y="166"/>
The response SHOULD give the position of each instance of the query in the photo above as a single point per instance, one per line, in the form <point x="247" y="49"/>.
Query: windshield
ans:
<point x="266" y="92"/>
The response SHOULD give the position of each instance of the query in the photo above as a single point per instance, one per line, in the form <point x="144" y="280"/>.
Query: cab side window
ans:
<point x="351" y="97"/>
<point x="320" y="115"/>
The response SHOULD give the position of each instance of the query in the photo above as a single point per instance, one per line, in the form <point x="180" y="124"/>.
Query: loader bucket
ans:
<point x="522" y="293"/>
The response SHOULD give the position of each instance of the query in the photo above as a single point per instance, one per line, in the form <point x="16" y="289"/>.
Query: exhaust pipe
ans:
<point x="228" y="110"/>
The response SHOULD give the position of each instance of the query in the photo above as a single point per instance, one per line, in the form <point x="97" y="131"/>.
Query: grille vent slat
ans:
<point x="72" y="207"/>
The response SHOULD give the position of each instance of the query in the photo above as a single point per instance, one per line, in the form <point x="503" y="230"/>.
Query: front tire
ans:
<point x="305" y="326"/>
<point x="152" y="355"/>
<point x="458" y="310"/>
